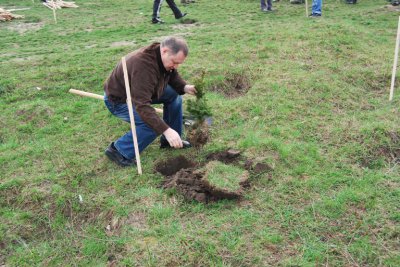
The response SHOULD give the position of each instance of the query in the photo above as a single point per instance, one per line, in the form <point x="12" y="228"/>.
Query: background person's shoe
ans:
<point x="157" y="21"/>
<point x="184" y="14"/>
<point x="113" y="154"/>
<point x="267" y="10"/>
<point x="315" y="15"/>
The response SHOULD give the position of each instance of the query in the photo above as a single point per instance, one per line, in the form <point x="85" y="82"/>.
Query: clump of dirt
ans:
<point x="258" y="167"/>
<point x="193" y="185"/>
<point x="188" y="21"/>
<point x="229" y="156"/>
<point x="188" y="183"/>
<point x="195" y="181"/>
<point x="234" y="85"/>
<point x="198" y="136"/>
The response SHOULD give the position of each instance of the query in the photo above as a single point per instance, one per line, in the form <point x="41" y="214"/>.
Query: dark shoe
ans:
<point x="164" y="144"/>
<point x="184" y="14"/>
<point x="157" y="21"/>
<point x="315" y="15"/>
<point x="113" y="154"/>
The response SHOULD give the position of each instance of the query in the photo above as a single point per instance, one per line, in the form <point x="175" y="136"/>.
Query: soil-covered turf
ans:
<point x="224" y="177"/>
<point x="302" y="104"/>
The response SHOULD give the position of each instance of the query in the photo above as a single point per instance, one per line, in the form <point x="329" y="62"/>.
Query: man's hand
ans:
<point x="190" y="89"/>
<point x="173" y="138"/>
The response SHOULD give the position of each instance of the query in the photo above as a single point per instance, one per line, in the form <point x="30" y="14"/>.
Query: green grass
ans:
<point x="317" y="110"/>
<point x="223" y="176"/>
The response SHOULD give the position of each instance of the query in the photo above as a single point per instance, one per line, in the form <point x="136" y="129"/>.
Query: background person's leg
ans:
<point x="263" y="5"/>
<point x="156" y="11"/>
<point x="177" y="13"/>
<point x="317" y="7"/>
<point x="269" y="3"/>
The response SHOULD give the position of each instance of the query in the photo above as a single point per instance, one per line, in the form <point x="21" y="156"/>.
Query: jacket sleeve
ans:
<point x="142" y="88"/>
<point x="177" y="82"/>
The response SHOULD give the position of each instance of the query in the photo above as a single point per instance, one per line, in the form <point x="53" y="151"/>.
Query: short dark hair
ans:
<point x="176" y="44"/>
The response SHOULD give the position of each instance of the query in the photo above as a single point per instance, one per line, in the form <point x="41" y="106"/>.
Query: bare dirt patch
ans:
<point x="194" y="182"/>
<point x="122" y="43"/>
<point x="21" y="28"/>
<point x="379" y="83"/>
<point x="115" y="223"/>
<point x="137" y="220"/>
<point x="392" y="8"/>
<point x="381" y="146"/>
<point x="185" y="24"/>
<point x="188" y="21"/>
<point x="257" y="167"/>
<point x="37" y="115"/>
<point x="234" y="85"/>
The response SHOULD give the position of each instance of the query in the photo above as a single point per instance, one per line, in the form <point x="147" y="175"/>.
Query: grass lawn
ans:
<point x="308" y="97"/>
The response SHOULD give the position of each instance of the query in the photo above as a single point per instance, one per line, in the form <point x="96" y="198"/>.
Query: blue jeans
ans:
<point x="316" y="7"/>
<point x="266" y="6"/>
<point x="172" y="115"/>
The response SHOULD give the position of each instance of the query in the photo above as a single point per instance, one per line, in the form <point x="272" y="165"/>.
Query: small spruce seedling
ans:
<point x="199" y="108"/>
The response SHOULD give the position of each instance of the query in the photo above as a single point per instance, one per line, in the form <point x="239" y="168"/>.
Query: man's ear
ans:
<point x="164" y="50"/>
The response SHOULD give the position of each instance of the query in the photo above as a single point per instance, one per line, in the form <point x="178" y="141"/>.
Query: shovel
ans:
<point x="188" y="120"/>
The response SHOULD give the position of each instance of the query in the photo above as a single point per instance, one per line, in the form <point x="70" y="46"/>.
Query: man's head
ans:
<point x="173" y="52"/>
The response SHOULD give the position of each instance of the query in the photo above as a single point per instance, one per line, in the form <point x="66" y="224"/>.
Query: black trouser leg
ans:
<point x="175" y="9"/>
<point x="157" y="8"/>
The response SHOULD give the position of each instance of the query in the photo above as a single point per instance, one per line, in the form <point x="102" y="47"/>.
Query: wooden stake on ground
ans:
<point x="54" y="11"/>
<point x="396" y="56"/>
<point x="100" y="97"/>
<point x="306" y="8"/>
<point x="132" y="118"/>
<point x="82" y="93"/>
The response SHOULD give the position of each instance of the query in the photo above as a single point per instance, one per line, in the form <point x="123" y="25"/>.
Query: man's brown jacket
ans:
<point x="147" y="79"/>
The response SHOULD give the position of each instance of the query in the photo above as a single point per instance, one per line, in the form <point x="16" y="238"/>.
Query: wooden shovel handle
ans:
<point x="100" y="97"/>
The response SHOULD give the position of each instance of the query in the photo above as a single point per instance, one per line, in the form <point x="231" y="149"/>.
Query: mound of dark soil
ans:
<point x="192" y="185"/>
<point x="228" y="156"/>
<point x="191" y="179"/>
<point x="198" y="136"/>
